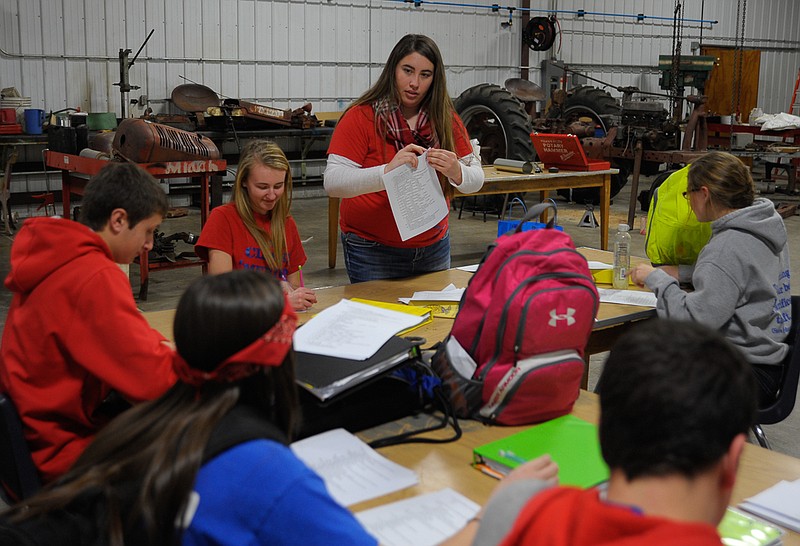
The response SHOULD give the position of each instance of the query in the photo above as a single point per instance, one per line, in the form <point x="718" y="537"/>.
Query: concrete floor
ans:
<point x="470" y="235"/>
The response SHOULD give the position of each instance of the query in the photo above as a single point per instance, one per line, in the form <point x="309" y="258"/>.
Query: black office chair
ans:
<point x="783" y="405"/>
<point x="18" y="474"/>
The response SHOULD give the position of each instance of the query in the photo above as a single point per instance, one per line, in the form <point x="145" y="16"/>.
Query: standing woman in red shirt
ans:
<point x="255" y="230"/>
<point x="407" y="111"/>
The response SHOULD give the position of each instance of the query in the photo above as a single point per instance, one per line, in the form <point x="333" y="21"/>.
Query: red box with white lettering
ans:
<point x="565" y="152"/>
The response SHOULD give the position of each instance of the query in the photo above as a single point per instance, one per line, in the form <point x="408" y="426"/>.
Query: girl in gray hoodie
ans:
<point x="741" y="277"/>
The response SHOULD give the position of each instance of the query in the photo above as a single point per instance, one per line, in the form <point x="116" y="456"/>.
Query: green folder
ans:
<point x="570" y="441"/>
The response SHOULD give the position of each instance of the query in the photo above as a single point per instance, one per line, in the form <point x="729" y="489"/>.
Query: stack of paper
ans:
<point x="351" y="330"/>
<point x="424" y="520"/>
<point x="641" y="298"/>
<point x="423" y="312"/>
<point x="778" y="504"/>
<point x="352" y="471"/>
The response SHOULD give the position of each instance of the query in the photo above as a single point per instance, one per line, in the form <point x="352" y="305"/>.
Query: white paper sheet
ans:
<point x="351" y="330"/>
<point x="778" y="504"/>
<point x="416" y="198"/>
<point x="599" y="265"/>
<point x="424" y="520"/>
<point x="469" y="268"/>
<point x="352" y="471"/>
<point x="628" y="297"/>
<point x="448" y="293"/>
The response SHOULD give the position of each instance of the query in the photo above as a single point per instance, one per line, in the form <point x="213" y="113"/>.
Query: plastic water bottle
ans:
<point x="622" y="256"/>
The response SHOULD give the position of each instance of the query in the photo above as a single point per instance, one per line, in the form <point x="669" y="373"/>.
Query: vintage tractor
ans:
<point x="502" y="118"/>
<point x="500" y="121"/>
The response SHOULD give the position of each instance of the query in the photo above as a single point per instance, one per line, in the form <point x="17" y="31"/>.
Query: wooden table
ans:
<point x="448" y="465"/>
<point x="501" y="182"/>
<point x="612" y="319"/>
<point x="75" y="173"/>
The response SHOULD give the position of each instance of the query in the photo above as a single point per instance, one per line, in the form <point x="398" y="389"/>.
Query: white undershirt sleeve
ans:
<point x="345" y="178"/>
<point x="471" y="171"/>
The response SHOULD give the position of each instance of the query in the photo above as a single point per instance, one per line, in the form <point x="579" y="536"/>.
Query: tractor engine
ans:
<point x="647" y="121"/>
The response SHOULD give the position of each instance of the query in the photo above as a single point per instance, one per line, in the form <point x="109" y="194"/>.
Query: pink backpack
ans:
<point x="515" y="353"/>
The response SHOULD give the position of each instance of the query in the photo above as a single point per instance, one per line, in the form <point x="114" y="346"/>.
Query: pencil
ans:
<point x="300" y="270"/>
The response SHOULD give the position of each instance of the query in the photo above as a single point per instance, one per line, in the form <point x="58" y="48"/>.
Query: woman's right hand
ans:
<point x="406" y="156"/>
<point x="639" y="273"/>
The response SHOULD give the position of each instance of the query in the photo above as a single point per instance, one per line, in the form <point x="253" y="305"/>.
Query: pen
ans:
<point x="488" y="471"/>
<point x="511" y="456"/>
<point x="300" y="270"/>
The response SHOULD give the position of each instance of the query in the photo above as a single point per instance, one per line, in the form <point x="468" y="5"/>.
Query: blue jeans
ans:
<point x="367" y="260"/>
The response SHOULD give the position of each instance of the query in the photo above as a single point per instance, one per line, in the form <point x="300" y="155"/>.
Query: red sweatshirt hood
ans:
<point x="38" y="250"/>
<point x="571" y="517"/>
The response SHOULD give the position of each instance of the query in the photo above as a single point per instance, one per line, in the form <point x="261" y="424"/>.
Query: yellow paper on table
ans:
<point x="606" y="276"/>
<point x="410" y="309"/>
<point x="441" y="309"/>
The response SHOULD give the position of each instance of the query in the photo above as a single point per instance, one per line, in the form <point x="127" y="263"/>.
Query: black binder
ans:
<point x="328" y="377"/>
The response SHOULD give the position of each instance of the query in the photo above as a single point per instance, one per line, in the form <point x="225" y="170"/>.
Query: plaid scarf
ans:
<point x="398" y="133"/>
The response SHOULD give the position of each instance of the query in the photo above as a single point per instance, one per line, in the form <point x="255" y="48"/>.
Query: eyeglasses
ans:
<point x="687" y="192"/>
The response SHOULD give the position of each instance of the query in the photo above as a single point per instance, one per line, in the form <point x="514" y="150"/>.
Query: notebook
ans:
<point x="570" y="441"/>
<point x="327" y="376"/>
<point x="565" y="152"/>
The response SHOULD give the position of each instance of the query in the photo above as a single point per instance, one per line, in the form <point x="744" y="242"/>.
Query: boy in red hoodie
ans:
<point x="74" y="340"/>
<point x="676" y="404"/>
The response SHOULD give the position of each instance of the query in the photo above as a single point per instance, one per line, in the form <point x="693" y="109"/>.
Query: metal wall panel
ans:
<point x="65" y="52"/>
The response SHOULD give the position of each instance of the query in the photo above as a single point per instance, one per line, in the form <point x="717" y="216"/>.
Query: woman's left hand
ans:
<point x="445" y="162"/>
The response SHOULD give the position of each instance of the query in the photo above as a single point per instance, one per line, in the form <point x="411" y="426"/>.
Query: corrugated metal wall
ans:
<point x="64" y="53"/>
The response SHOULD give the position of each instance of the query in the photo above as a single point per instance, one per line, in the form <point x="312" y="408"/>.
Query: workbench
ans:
<point x="502" y="182"/>
<point x="75" y="174"/>
<point x="8" y="156"/>
<point x="719" y="134"/>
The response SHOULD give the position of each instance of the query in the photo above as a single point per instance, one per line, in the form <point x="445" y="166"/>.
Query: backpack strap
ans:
<point x="241" y="424"/>
<point x="535" y="211"/>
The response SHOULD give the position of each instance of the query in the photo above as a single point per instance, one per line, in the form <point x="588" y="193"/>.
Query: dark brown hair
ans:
<point x="144" y="463"/>
<point x="121" y="186"/>
<point x="437" y="101"/>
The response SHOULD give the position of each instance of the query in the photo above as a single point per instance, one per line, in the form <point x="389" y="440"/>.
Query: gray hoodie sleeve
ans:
<point x="503" y="508"/>
<point x="712" y="302"/>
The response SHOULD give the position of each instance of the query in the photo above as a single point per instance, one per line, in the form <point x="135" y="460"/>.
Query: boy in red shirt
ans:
<point x="676" y="404"/>
<point x="74" y="340"/>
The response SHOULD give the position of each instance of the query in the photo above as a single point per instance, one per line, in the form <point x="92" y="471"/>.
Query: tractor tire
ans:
<point x="498" y="120"/>
<point x="593" y="103"/>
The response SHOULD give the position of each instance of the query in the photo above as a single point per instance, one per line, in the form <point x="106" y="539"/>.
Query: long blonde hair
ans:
<point x="272" y="244"/>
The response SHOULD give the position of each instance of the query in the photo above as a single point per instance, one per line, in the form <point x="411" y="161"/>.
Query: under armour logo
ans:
<point x="568" y="316"/>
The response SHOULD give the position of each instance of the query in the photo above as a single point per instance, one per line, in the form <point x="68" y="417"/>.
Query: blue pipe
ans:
<point x="580" y="13"/>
